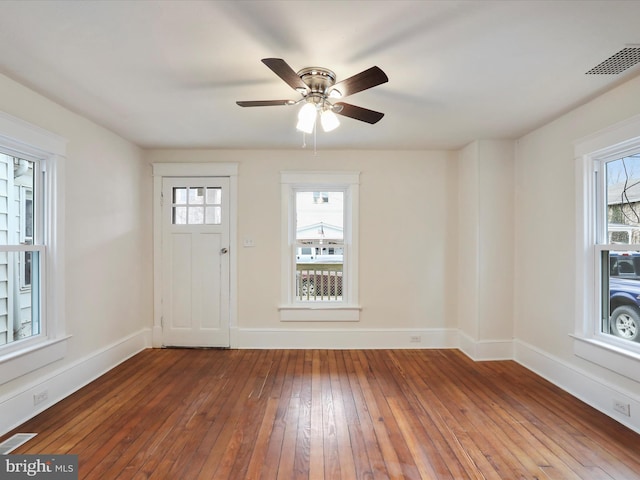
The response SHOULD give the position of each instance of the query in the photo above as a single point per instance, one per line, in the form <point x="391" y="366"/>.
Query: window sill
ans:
<point x="319" y="313"/>
<point x="612" y="357"/>
<point x="21" y="362"/>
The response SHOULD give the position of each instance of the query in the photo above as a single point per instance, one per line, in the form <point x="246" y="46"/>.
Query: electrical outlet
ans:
<point x="621" y="407"/>
<point x="40" y="397"/>
<point x="415" y="339"/>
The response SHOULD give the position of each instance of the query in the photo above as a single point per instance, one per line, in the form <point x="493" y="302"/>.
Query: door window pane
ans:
<point x="213" y="215"/>
<point x="180" y="196"/>
<point x="196" y="196"/>
<point x="196" y="216"/>
<point x="197" y="206"/>
<point x="179" y="215"/>
<point x="214" y="196"/>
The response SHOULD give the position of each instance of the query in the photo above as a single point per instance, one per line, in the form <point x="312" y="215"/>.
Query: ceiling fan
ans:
<point x="318" y="88"/>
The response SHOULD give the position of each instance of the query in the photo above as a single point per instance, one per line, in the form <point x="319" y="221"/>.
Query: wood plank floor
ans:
<point x="318" y="414"/>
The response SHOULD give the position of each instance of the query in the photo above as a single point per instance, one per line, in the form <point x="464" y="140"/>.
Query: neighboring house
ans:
<point x="16" y="227"/>
<point x="320" y="231"/>
<point x="320" y="240"/>
<point x="319" y="220"/>
<point x="623" y="201"/>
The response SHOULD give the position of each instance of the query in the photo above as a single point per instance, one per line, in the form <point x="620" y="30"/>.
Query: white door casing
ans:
<point x="193" y="259"/>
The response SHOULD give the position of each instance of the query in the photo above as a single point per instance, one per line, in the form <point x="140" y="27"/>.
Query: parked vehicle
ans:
<point x="624" y="296"/>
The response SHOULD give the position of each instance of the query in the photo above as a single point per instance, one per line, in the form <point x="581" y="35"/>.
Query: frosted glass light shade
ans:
<point x="306" y="118"/>
<point x="329" y="121"/>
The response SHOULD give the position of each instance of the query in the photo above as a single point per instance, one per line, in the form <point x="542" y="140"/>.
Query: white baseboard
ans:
<point x="592" y="390"/>
<point x="18" y="406"/>
<point x="343" y="338"/>
<point x="483" y="350"/>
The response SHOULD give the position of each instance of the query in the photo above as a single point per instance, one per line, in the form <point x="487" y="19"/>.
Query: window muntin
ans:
<point x="21" y="249"/>
<point x="617" y="247"/>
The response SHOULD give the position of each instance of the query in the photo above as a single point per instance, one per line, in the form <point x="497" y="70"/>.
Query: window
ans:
<point x="608" y="248"/>
<point x="319" y="253"/>
<point x="617" y="245"/>
<point x="31" y="255"/>
<point x="319" y="233"/>
<point x="22" y="249"/>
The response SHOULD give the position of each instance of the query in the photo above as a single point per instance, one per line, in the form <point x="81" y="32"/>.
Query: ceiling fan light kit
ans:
<point x="317" y="85"/>
<point x="329" y="120"/>
<point x="307" y="118"/>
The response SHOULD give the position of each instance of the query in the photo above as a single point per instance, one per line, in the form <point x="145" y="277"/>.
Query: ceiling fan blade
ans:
<point x="358" y="113"/>
<point x="285" y="72"/>
<point x="369" y="78"/>
<point x="264" y="103"/>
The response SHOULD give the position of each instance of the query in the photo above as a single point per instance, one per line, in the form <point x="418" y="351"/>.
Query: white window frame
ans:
<point x="591" y="343"/>
<point x="347" y="310"/>
<point x="24" y="140"/>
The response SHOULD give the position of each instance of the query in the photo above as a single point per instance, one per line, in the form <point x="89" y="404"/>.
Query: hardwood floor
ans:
<point x="318" y="414"/>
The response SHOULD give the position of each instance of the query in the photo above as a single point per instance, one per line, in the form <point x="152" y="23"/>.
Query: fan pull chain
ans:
<point x="315" y="139"/>
<point x="315" y="134"/>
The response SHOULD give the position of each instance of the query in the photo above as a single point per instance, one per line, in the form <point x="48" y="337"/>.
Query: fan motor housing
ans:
<point x="318" y="79"/>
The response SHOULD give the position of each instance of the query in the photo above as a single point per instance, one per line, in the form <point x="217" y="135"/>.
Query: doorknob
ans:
<point x="224" y="250"/>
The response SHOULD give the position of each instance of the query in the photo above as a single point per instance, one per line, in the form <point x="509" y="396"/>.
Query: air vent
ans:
<point x="11" y="443"/>
<point x="618" y="63"/>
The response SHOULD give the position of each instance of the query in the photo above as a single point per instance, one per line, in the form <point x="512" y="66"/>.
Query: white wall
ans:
<point x="108" y="243"/>
<point x="408" y="210"/>
<point x="545" y="255"/>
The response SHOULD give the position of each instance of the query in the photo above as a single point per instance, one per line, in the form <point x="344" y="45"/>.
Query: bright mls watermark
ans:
<point x="50" y="467"/>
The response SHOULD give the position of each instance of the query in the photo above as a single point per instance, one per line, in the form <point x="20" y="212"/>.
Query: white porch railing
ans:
<point x="319" y="282"/>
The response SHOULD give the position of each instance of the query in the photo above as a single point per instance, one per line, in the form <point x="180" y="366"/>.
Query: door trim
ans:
<point x="210" y="169"/>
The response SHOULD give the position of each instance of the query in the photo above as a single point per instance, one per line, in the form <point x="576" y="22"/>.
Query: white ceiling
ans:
<point x="168" y="73"/>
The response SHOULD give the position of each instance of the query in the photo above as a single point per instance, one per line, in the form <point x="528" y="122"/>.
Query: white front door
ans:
<point x="195" y="261"/>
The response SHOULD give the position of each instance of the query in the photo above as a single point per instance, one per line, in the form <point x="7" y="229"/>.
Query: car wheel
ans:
<point x="625" y="323"/>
